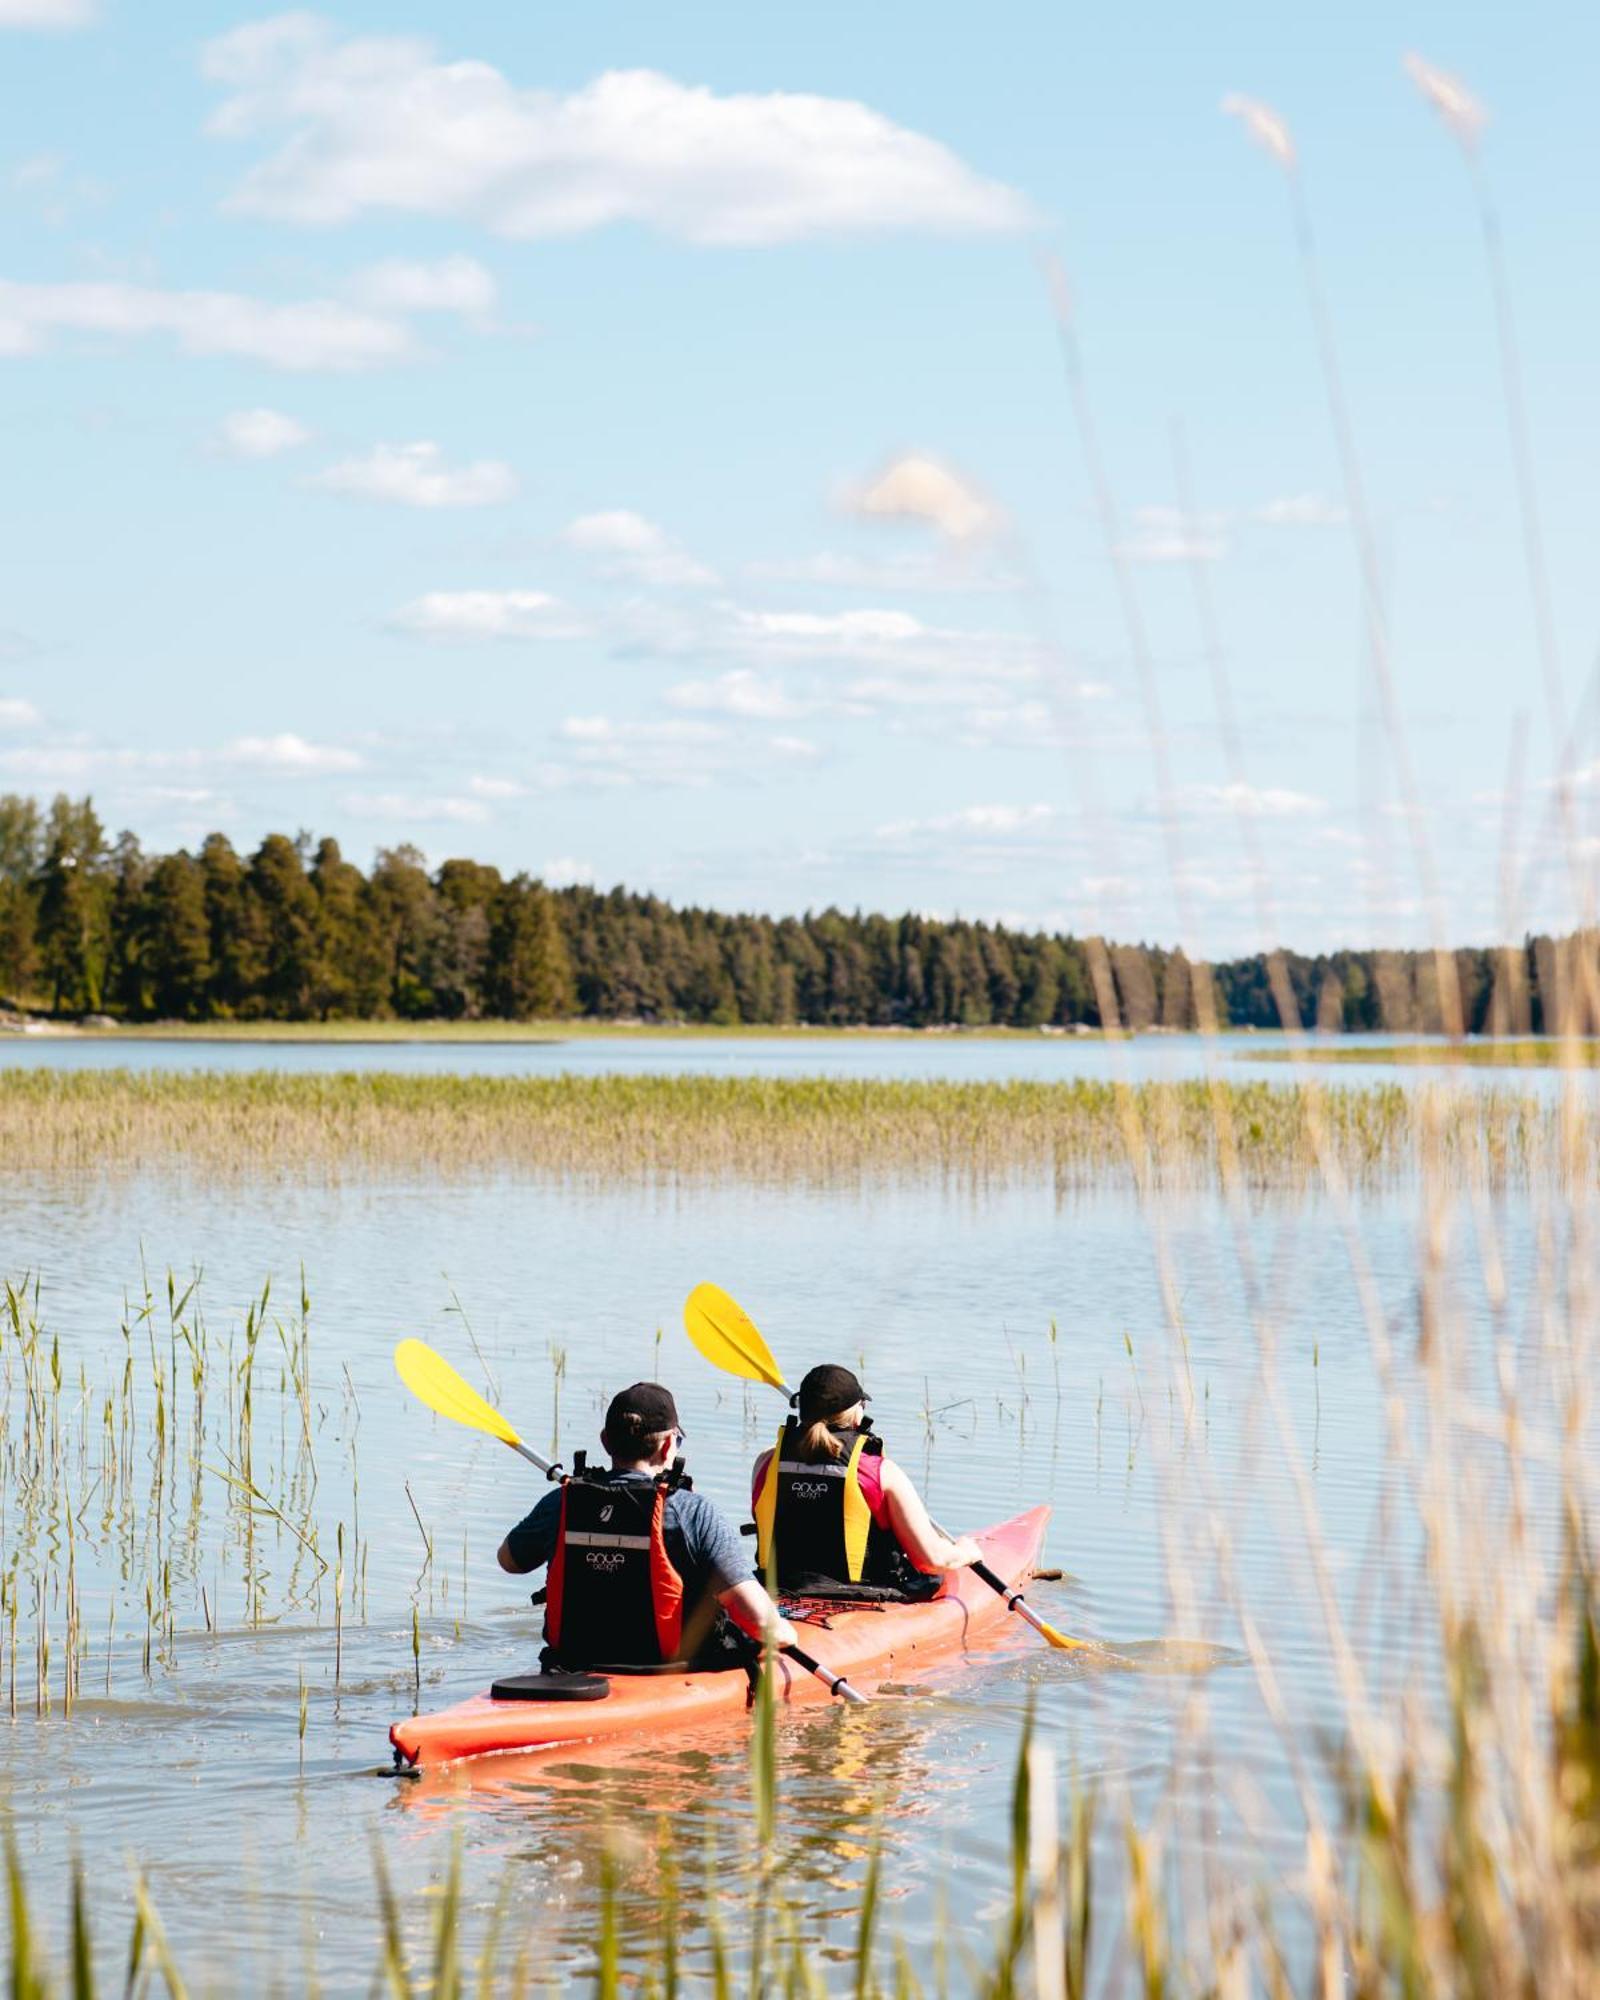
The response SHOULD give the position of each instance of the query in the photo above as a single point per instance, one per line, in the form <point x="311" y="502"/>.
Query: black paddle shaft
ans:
<point x="837" y="1684"/>
<point x="984" y="1574"/>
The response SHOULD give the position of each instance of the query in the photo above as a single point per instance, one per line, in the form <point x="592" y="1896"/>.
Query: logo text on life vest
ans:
<point x="605" y="1562"/>
<point x="808" y="1489"/>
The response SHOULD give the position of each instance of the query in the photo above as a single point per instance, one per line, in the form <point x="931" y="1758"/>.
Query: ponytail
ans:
<point x="817" y="1444"/>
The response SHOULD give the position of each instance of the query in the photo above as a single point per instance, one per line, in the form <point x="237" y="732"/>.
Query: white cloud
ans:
<point x="846" y="632"/>
<point x="973" y="822"/>
<point x="495" y="788"/>
<point x="260" y="433"/>
<point x="374" y="124"/>
<point x="1301" y="510"/>
<point x="415" y="475"/>
<point x="15" y="713"/>
<point x="742" y="692"/>
<point x="48" y="184"/>
<point x="1167" y="535"/>
<point x="284" y="753"/>
<point x="288" y="752"/>
<point x="310" y="334"/>
<point x="486" y="614"/>
<point x="46" y="13"/>
<point x="412" y="809"/>
<point x="566" y="872"/>
<point x="1255" y="801"/>
<point x="918" y="487"/>
<point x="600" y="751"/>
<point x="626" y="544"/>
<point x="452" y="285"/>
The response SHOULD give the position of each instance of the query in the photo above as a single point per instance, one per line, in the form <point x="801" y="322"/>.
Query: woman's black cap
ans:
<point x="826" y="1391"/>
<point x="651" y="1407"/>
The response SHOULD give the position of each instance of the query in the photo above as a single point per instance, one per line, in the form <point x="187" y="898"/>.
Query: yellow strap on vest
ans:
<point x="766" y="1510"/>
<point x="857" y="1517"/>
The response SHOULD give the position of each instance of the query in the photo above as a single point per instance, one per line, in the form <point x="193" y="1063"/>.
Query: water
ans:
<point x="954" y="1058"/>
<point x="259" y="1846"/>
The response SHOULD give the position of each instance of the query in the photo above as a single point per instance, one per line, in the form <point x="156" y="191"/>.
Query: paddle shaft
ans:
<point x="835" y="1683"/>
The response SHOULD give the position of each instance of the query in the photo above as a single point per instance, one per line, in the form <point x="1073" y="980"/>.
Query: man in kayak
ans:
<point x="837" y="1517"/>
<point x="641" y="1567"/>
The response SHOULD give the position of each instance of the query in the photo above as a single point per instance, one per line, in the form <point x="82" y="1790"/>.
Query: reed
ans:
<point x="812" y="1129"/>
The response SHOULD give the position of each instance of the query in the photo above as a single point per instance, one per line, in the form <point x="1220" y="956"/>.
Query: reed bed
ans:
<point x="806" y="1129"/>
<point x="176" y="1489"/>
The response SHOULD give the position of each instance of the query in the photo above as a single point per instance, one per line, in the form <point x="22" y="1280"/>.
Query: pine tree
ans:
<point x="175" y="954"/>
<point x="73" y="908"/>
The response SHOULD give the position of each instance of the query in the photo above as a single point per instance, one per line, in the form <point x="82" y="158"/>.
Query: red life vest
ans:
<point x="613" y="1597"/>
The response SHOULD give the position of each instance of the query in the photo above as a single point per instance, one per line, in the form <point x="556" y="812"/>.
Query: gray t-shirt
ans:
<point x="703" y="1546"/>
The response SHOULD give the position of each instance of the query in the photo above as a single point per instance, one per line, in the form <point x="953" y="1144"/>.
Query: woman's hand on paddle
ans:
<point x="964" y="1552"/>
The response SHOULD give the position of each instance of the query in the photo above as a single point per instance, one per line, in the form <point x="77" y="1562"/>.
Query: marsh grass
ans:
<point x="195" y="1448"/>
<point x="1527" y="1052"/>
<point x="812" y="1129"/>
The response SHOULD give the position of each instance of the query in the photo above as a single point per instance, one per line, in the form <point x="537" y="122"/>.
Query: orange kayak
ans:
<point x="867" y="1644"/>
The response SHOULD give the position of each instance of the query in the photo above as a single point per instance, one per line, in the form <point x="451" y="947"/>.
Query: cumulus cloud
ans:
<point x="567" y="872"/>
<point x="46" y="13"/>
<point x="495" y="788"/>
<point x="15" y="713"/>
<point x="415" y="475"/>
<point x="452" y="285"/>
<point x="373" y="124"/>
<point x="486" y="614"/>
<point x="918" y="487"/>
<point x="626" y="544"/>
<point x="260" y="433"/>
<point x="311" y="334"/>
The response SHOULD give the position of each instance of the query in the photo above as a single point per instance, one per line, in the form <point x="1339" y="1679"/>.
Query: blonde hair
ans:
<point x="817" y="1443"/>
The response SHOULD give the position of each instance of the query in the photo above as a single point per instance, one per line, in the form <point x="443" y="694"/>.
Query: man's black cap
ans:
<point x="826" y="1391"/>
<point x="651" y="1407"/>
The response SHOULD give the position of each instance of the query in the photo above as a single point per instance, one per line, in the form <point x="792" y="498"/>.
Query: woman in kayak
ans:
<point x="834" y="1516"/>
<point x="640" y="1566"/>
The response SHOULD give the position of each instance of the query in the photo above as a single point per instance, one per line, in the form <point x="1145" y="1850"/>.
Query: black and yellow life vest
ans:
<point x="613" y="1597"/>
<point x="815" y="1522"/>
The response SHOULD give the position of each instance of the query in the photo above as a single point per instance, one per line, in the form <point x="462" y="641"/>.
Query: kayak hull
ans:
<point x="867" y="1644"/>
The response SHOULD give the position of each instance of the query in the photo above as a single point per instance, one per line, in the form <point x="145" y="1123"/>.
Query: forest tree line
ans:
<point x="295" y="932"/>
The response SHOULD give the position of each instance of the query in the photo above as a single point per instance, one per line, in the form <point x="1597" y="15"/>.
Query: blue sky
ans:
<point x="632" y="444"/>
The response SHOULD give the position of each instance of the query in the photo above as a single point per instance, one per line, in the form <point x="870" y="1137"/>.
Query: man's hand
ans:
<point x="782" y="1633"/>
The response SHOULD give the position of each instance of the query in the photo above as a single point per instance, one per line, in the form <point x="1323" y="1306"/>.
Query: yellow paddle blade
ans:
<point x="727" y="1337"/>
<point x="432" y="1380"/>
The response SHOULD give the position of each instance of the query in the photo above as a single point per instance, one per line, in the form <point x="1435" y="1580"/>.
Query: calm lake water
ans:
<point x="933" y="1057"/>
<point x="1169" y="1468"/>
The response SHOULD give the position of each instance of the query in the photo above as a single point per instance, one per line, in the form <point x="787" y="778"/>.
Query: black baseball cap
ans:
<point x="828" y="1390"/>
<point x="649" y="1405"/>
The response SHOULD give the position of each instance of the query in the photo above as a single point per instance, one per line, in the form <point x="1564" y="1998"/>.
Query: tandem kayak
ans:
<point x="866" y="1642"/>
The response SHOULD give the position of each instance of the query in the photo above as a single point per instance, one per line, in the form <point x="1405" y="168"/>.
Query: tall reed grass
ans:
<point x="808" y="1129"/>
